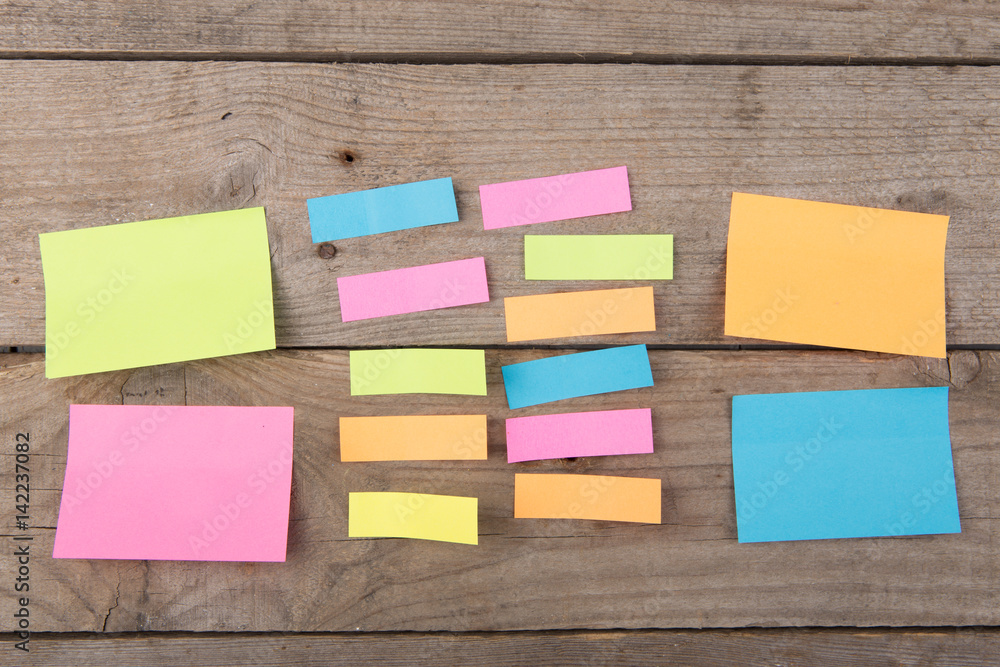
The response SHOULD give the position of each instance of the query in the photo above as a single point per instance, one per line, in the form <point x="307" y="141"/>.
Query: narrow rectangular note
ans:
<point x="599" y="433"/>
<point x="597" y="497"/>
<point x="841" y="276"/>
<point x="589" y="313"/>
<point x="578" y="374"/>
<point x="418" y="371"/>
<point x="413" y="289"/>
<point x="379" y="210"/>
<point x="553" y="198"/>
<point x="413" y="438"/>
<point x="419" y="516"/>
<point x="156" y="292"/>
<point x="157" y="482"/>
<point x="599" y="257"/>
<point x="833" y="464"/>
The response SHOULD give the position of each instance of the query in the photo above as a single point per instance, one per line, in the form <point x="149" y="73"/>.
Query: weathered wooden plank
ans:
<point x="463" y="30"/>
<point x="695" y="648"/>
<point x="96" y="143"/>
<point x="688" y="572"/>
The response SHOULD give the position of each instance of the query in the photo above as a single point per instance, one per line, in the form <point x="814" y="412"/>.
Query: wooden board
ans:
<point x="704" y="648"/>
<point x="95" y="143"/>
<point x="645" y="30"/>
<point x="687" y="572"/>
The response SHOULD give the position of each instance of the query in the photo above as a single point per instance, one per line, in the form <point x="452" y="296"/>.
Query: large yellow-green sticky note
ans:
<point x="599" y="257"/>
<point x="420" y="516"/>
<point x="418" y="371"/>
<point x="156" y="292"/>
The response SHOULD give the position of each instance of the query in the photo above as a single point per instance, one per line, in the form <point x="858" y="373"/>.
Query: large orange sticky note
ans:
<point x="843" y="276"/>
<point x="566" y="314"/>
<point x="413" y="438"/>
<point x="587" y="497"/>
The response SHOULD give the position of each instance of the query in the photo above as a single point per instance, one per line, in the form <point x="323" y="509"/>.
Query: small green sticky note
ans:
<point x="418" y="371"/>
<point x="156" y="292"/>
<point x="421" y="516"/>
<point x="599" y="257"/>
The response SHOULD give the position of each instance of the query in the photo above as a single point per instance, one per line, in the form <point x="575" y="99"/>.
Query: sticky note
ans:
<point x="413" y="289"/>
<point x="599" y="433"/>
<point x="156" y="292"/>
<point x="152" y="482"/>
<point x="421" y="516"/>
<point x="599" y="257"/>
<point x="413" y="438"/>
<point x="418" y="371"/>
<point x="842" y="276"/>
<point x="552" y="198"/>
<point x="380" y="210"/>
<point x="598" y="497"/>
<point x="589" y="313"/>
<point x="829" y="464"/>
<point x="579" y="374"/>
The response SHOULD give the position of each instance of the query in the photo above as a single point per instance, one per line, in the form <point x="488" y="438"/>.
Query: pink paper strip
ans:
<point x="602" y="433"/>
<point x="154" y="482"/>
<point x="555" y="198"/>
<point x="413" y="289"/>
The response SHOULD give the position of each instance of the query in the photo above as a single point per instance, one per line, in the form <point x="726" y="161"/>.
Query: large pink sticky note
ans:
<point x="555" y="198"/>
<point x="412" y="290"/>
<point x="601" y="433"/>
<point x="147" y="482"/>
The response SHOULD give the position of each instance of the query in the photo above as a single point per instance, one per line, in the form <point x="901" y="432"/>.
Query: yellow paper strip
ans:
<point x="587" y="497"/>
<point x="589" y="313"/>
<point x="414" y="515"/>
<point x="413" y="438"/>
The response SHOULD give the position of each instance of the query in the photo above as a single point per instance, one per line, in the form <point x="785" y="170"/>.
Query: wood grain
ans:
<point x="693" y="648"/>
<point x="687" y="572"/>
<point x="92" y="143"/>
<point x="567" y="30"/>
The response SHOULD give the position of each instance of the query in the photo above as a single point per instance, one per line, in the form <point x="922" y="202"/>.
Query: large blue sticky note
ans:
<point x="826" y="464"/>
<point x="387" y="209"/>
<point x="580" y="374"/>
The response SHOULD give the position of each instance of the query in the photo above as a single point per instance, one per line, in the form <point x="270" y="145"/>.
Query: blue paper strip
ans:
<point x="580" y="374"/>
<point x="387" y="209"/>
<point x="828" y="464"/>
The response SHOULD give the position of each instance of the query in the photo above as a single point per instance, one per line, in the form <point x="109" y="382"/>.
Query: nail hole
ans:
<point x="346" y="156"/>
<point x="327" y="250"/>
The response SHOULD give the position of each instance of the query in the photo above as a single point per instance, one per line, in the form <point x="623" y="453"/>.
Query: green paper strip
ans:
<point x="599" y="257"/>
<point x="402" y="371"/>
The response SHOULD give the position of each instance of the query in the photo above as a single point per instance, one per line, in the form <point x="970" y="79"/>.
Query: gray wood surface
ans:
<point x="92" y="143"/>
<point x="687" y="572"/>
<point x="693" y="648"/>
<point x="564" y="30"/>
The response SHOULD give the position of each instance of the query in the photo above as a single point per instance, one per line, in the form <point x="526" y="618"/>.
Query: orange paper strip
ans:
<point x="566" y="314"/>
<point x="413" y="438"/>
<point x="587" y="497"/>
<point x="842" y="276"/>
